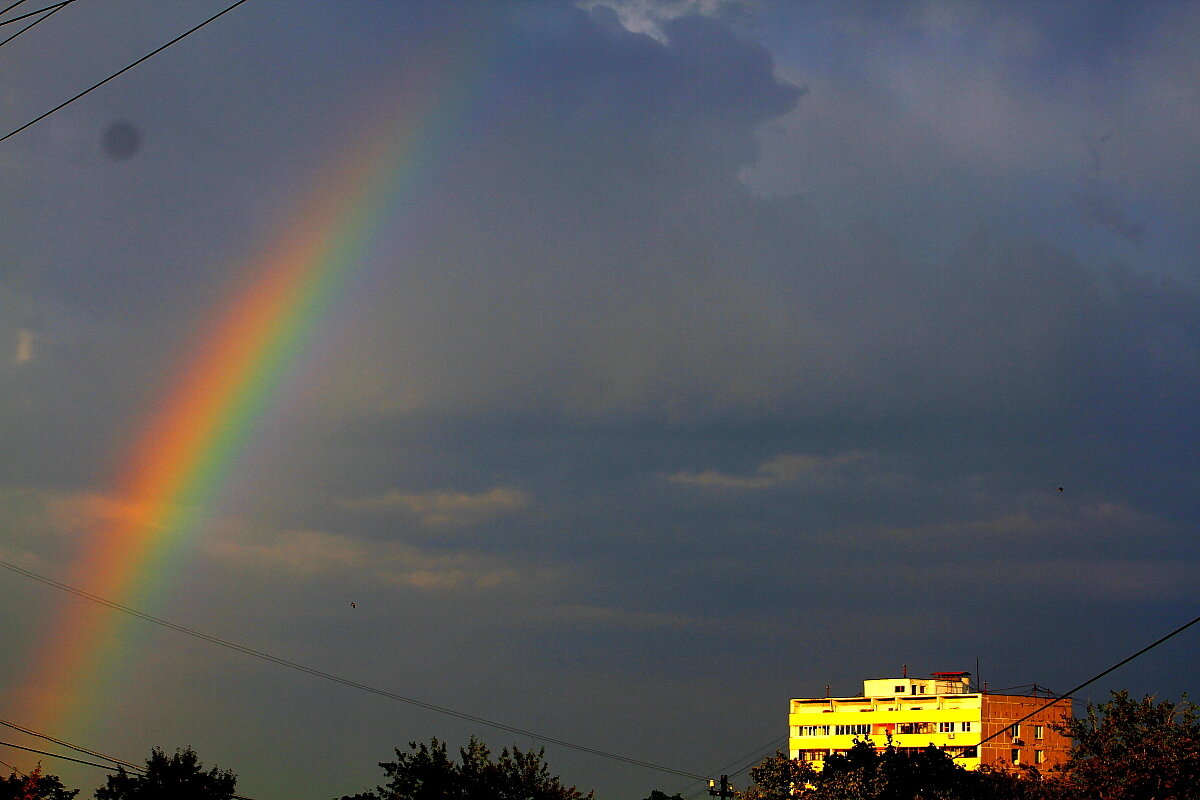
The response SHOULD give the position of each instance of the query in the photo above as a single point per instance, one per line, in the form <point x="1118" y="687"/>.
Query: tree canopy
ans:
<point x="867" y="773"/>
<point x="34" y="786"/>
<point x="1129" y="749"/>
<point x="178" y="777"/>
<point x="427" y="772"/>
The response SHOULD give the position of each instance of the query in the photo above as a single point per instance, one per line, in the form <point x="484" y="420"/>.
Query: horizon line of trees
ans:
<point x="1123" y="749"/>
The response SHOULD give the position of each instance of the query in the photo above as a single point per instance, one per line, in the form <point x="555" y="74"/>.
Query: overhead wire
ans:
<point x="108" y="767"/>
<point x="1067" y="694"/>
<point x="35" y="22"/>
<point x="11" y="7"/>
<point x="123" y="70"/>
<point x="76" y="748"/>
<point x="283" y="662"/>
<point x="752" y="755"/>
<point x="55" y="755"/>
<point x="28" y="14"/>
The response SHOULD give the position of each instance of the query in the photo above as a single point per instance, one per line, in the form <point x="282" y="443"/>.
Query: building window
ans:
<point x="1015" y="731"/>
<point x="851" y="730"/>
<point x="1016" y="756"/>
<point x="1039" y="756"/>
<point x="1039" y="731"/>
<point x="966" y="727"/>
<point x="814" y="730"/>
<point x="945" y="727"/>
<point x="812" y="755"/>
<point x="899" y="690"/>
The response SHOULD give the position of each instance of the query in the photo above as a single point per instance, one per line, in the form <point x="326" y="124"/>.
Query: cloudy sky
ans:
<point x="689" y="356"/>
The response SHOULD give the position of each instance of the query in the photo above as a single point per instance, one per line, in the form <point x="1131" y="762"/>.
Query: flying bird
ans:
<point x="1060" y="488"/>
<point x="352" y="605"/>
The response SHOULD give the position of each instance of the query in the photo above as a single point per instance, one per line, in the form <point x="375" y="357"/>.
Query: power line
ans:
<point x="1067" y="694"/>
<point x="35" y="22"/>
<point x="752" y="755"/>
<point x="14" y="770"/>
<point x="52" y="8"/>
<point x="283" y="662"/>
<point x="117" y="761"/>
<point x="123" y="70"/>
<point x="10" y="8"/>
<point x="76" y="748"/>
<point x="107" y="767"/>
<point x="56" y="755"/>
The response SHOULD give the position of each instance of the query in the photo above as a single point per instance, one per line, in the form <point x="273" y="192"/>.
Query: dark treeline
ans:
<point x="1124" y="749"/>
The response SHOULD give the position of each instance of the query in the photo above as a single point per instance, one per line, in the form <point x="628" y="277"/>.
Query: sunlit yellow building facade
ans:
<point x="942" y="711"/>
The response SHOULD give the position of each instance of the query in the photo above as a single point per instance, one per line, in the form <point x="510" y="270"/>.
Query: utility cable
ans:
<point x="123" y="70"/>
<point x="76" y="748"/>
<point x="35" y="22"/>
<point x="107" y="767"/>
<point x="56" y="755"/>
<point x="10" y="8"/>
<point x="753" y="755"/>
<point x="283" y="662"/>
<point x="52" y="8"/>
<point x="14" y="770"/>
<point x="1088" y="682"/>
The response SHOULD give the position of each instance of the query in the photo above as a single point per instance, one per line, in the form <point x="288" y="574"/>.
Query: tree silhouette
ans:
<point x="34" y="786"/>
<point x="867" y="773"/>
<point x="1129" y="749"/>
<point x="180" y="777"/>
<point x="778" y="777"/>
<point x="428" y="773"/>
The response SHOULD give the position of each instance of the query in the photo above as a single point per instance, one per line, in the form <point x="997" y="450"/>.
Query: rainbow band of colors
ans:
<point x="204" y="420"/>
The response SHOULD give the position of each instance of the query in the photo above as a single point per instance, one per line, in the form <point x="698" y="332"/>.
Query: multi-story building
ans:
<point x="943" y="711"/>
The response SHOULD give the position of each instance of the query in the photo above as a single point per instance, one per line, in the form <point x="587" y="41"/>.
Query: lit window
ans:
<point x="1016" y="756"/>
<point x="1039" y="756"/>
<point x="1015" y="731"/>
<point x="1039" y="731"/>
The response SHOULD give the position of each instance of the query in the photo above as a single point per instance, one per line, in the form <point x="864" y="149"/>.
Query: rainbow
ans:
<point x="205" y="419"/>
